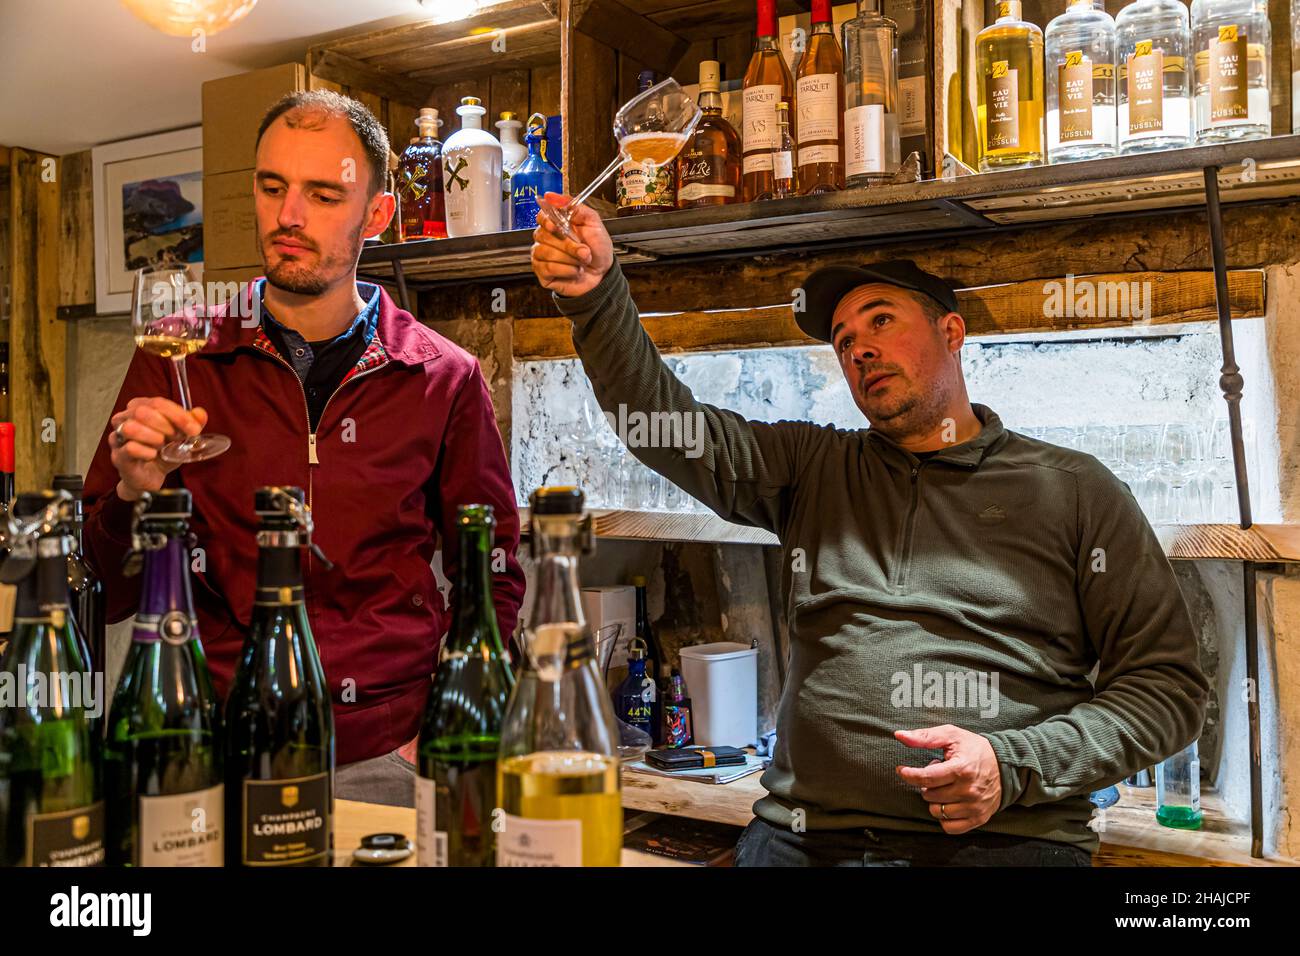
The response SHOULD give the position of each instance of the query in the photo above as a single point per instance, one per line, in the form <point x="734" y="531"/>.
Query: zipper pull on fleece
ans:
<point x="312" y="459"/>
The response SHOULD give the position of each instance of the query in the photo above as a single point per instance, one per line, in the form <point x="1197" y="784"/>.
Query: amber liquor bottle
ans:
<point x="767" y="82"/>
<point x="422" y="210"/>
<point x="819" y="88"/>
<point x="708" y="168"/>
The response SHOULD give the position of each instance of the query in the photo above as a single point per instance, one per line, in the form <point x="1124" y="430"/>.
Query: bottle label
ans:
<point x="174" y="627"/>
<point x="810" y="155"/>
<point x="286" y="821"/>
<point x="699" y="172"/>
<point x="864" y="135"/>
<point x="758" y="163"/>
<point x="694" y="191"/>
<point x="1229" y="101"/>
<point x="783" y="165"/>
<point x="1003" y="99"/>
<point x="524" y="842"/>
<point x="759" y="122"/>
<point x="430" y="842"/>
<point x="818" y="99"/>
<point x="1075" y="86"/>
<point x="67" y="838"/>
<point x="645" y="184"/>
<point x="1146" y="89"/>
<point x="911" y="105"/>
<point x="183" y="829"/>
<point x="1194" y="783"/>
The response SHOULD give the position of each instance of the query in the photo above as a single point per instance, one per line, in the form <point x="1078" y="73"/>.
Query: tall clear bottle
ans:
<point x="819" y="91"/>
<point x="456" y="786"/>
<point x="1231" y="40"/>
<point x="1178" y="790"/>
<point x="471" y="165"/>
<point x="51" y="788"/>
<point x="1080" y="51"/>
<point x="162" y="757"/>
<point x="558" y="781"/>
<point x="279" y="723"/>
<point x="871" y="144"/>
<point x="1009" y="84"/>
<point x="768" y="81"/>
<point x="1153" y="43"/>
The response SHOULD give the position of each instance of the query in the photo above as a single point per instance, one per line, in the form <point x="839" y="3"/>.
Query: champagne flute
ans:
<point x="170" y="320"/>
<point x="651" y="128"/>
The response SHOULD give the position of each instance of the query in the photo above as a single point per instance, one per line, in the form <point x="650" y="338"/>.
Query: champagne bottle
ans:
<point x="162" y="757"/>
<point x="8" y="593"/>
<point x="85" y="589"/>
<point x="51" y="802"/>
<point x="461" y="734"/>
<point x="279" y="725"/>
<point x="558" y="777"/>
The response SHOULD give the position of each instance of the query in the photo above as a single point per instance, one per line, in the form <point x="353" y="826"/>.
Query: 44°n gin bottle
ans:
<point x="1009" y="60"/>
<point x="1080" y="84"/>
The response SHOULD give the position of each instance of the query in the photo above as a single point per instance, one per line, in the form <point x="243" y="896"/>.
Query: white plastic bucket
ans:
<point x="722" y="683"/>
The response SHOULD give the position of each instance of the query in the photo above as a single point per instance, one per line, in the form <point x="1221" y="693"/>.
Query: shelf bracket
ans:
<point x="1231" y="383"/>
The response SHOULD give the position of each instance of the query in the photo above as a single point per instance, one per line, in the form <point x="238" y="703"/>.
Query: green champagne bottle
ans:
<point x="51" y="804"/>
<point x="162" y="756"/>
<point x="455" y="791"/>
<point x="279" y="725"/>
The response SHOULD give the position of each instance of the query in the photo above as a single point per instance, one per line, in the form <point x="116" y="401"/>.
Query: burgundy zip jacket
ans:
<point x="408" y="436"/>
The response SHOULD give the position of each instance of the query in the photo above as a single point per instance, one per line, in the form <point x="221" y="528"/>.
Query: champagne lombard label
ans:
<point x="1076" y="98"/>
<point x="1146" y="89"/>
<point x="68" y="838"/>
<point x="525" y="842"/>
<point x="1228" y="88"/>
<point x="286" y="821"/>
<point x="183" y="829"/>
<point x="1003" y="99"/>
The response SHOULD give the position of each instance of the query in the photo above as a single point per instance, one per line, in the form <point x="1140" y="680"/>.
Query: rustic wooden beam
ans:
<point x="380" y="45"/>
<point x="76" y="231"/>
<point x="531" y="44"/>
<point x="341" y="68"/>
<point x="1022" y="307"/>
<point x="588" y="87"/>
<point x="616" y="26"/>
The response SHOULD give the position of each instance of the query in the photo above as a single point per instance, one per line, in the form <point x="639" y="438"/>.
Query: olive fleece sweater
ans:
<point x="978" y="588"/>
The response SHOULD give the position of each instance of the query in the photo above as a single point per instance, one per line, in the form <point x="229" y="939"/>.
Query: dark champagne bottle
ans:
<point x="51" y="803"/>
<point x="455" y="791"/>
<point x="8" y="593"/>
<point x="162" y="757"/>
<point x="279" y="724"/>
<point x="85" y="589"/>
<point x="654" y="657"/>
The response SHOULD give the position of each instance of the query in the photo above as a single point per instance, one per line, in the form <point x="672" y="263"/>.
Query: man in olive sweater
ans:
<point x="949" y="585"/>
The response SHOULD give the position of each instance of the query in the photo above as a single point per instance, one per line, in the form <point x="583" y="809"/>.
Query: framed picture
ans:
<point x="148" y="208"/>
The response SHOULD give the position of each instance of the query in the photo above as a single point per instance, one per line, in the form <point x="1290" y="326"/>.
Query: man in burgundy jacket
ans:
<point x="385" y="424"/>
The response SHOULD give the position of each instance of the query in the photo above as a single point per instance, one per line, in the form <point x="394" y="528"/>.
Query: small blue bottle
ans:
<point x="634" y="701"/>
<point x="534" y="178"/>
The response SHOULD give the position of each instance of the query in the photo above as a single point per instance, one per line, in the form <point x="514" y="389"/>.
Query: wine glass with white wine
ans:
<point x="651" y="129"/>
<point x="171" y="320"/>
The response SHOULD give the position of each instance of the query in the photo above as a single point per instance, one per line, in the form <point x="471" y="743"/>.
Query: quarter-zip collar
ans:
<point x="969" y="453"/>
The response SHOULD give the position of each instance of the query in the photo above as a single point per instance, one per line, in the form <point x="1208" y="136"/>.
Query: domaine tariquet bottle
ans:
<point x="558" y="783"/>
<point x="644" y="186"/>
<point x="1153" y="42"/>
<point x="1232" y="42"/>
<point x="708" y="167"/>
<point x="819" y="91"/>
<point x="163" y="780"/>
<point x="767" y="82"/>
<point x="534" y="178"/>
<point x="471" y="164"/>
<point x="456" y="789"/>
<point x="1080" y="46"/>
<point x="279" y="724"/>
<point x="1009" y="83"/>
<point x="85" y="590"/>
<point x="421" y="210"/>
<point x="51" y="798"/>
<point x="871" y="114"/>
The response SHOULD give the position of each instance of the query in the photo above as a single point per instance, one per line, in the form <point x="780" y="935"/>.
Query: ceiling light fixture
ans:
<point x="180" y="18"/>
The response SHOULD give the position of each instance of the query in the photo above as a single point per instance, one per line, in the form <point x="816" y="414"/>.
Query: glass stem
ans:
<point x="582" y="197"/>
<point x="182" y="381"/>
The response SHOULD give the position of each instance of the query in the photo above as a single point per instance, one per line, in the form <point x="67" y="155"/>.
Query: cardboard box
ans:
<point x="607" y="605"/>
<point x="915" y="19"/>
<point x="229" y="221"/>
<point x="233" y="107"/>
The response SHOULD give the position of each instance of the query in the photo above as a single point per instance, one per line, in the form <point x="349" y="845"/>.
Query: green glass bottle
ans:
<point x="279" y="724"/>
<point x="461" y="734"/>
<point x="51" y="802"/>
<point x="162" y="758"/>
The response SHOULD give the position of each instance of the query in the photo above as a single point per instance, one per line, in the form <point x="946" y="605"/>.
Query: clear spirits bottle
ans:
<point x="1178" y="790"/>
<point x="871" y="132"/>
<point x="1153" y="43"/>
<point x="785" y="180"/>
<point x="819" y="89"/>
<point x="1080" y="46"/>
<point x="1231" y="40"/>
<point x="1009" y="61"/>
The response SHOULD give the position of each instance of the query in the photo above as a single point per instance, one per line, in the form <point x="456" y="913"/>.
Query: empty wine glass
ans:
<point x="651" y="128"/>
<point x="170" y="320"/>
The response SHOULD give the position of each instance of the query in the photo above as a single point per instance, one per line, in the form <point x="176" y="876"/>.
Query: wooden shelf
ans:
<point x="1265" y="170"/>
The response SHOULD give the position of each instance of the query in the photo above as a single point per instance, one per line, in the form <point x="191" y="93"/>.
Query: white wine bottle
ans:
<point x="558" y="782"/>
<point x="279" y="725"/>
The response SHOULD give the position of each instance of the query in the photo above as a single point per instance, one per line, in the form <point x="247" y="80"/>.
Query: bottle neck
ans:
<point x="43" y="593"/>
<point x="766" y="28"/>
<point x="166" y="579"/>
<point x="821" y="16"/>
<point x="475" y="615"/>
<point x="471" y="120"/>
<point x="279" y="571"/>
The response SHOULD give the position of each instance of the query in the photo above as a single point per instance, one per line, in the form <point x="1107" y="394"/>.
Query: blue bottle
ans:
<point x="634" y="701"/>
<point x="533" y="179"/>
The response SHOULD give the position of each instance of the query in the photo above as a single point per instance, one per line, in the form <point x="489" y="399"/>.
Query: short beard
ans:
<point x="299" y="280"/>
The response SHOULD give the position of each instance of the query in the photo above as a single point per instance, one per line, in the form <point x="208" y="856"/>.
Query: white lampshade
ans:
<point x="180" y="18"/>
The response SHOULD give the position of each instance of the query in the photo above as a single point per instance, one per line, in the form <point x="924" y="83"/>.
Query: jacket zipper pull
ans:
<point x="916" y="469"/>
<point x="312" y="459"/>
